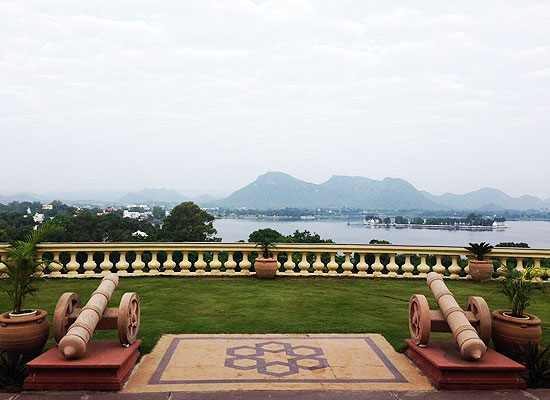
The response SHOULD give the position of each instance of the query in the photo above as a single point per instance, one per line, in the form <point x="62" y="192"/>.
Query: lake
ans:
<point x="535" y="233"/>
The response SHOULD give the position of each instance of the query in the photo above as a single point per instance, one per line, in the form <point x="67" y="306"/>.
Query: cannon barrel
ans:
<point x="471" y="346"/>
<point x="73" y="344"/>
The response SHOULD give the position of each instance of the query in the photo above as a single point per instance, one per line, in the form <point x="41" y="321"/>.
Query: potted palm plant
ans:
<point x="23" y="331"/>
<point x="266" y="265"/>
<point x="480" y="269"/>
<point x="513" y="329"/>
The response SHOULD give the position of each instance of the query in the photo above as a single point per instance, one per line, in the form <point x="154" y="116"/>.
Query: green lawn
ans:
<point x="283" y="305"/>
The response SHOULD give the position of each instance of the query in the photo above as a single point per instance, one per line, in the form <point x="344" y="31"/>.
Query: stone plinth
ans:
<point x="442" y="363"/>
<point x="106" y="366"/>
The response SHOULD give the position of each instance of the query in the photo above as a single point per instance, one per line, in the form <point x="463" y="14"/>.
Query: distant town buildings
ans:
<point x="38" y="218"/>
<point x="140" y="234"/>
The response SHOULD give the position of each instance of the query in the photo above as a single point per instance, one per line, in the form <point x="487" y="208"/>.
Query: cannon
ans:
<point x="471" y="328"/>
<point x="74" y="325"/>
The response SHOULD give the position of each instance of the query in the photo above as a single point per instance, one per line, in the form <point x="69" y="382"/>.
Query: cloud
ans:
<point x="193" y="95"/>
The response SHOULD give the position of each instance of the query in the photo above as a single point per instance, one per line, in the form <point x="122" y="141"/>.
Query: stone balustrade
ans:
<point x="83" y="260"/>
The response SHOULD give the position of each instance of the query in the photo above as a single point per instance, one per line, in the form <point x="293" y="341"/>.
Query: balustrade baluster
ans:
<point x="154" y="264"/>
<point x="347" y="265"/>
<point x="362" y="266"/>
<point x="122" y="265"/>
<point x="90" y="264"/>
<point x="392" y="267"/>
<point x="501" y="270"/>
<point x="454" y="269"/>
<point x="245" y="264"/>
<point x="230" y="264"/>
<point x="318" y="265"/>
<point x="519" y="266"/>
<point x="106" y="264"/>
<point x="304" y="265"/>
<point x="276" y="257"/>
<point x="3" y="267"/>
<point x="215" y="264"/>
<point x="289" y="264"/>
<point x="200" y="264"/>
<point x="407" y="267"/>
<point x="138" y="264"/>
<point x="467" y="270"/>
<point x="332" y="265"/>
<point x="72" y="266"/>
<point x="55" y="266"/>
<point x="169" y="264"/>
<point x="439" y="267"/>
<point x="185" y="264"/>
<point x="423" y="268"/>
<point x="39" y="270"/>
<point x="377" y="266"/>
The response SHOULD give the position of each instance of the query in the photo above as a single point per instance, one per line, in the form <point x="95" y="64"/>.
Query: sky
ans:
<point x="204" y="96"/>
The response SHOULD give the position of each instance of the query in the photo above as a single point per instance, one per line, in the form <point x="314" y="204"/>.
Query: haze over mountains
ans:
<point x="279" y="190"/>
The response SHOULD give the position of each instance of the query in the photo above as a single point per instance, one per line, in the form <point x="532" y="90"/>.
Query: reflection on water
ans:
<point x="535" y="233"/>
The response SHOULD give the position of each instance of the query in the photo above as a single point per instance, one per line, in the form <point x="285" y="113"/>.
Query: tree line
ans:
<point x="186" y="222"/>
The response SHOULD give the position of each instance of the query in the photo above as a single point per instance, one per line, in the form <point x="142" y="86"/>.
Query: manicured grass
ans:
<point x="283" y="305"/>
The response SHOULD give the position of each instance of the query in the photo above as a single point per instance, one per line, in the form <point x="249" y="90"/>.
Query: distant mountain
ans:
<point x="204" y="199"/>
<point x="5" y="199"/>
<point x="486" y="199"/>
<point x="148" y="196"/>
<point x="277" y="190"/>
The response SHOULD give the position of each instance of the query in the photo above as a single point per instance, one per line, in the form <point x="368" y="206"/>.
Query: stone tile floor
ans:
<point x="542" y="394"/>
<point x="299" y="367"/>
<point x="200" y="363"/>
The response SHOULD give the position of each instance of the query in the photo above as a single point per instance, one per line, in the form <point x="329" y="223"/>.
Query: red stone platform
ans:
<point x="442" y="363"/>
<point x="106" y="366"/>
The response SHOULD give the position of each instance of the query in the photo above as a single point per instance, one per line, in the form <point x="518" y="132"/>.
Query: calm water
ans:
<point x="535" y="233"/>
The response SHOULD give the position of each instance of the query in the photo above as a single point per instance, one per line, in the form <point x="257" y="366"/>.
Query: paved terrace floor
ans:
<point x="277" y="366"/>
<point x="542" y="394"/>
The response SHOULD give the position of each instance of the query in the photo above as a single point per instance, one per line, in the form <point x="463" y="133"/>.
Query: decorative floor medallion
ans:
<point x="274" y="362"/>
<point x="255" y="357"/>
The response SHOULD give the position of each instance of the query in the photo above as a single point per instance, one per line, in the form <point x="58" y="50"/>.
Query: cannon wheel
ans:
<point x="478" y="306"/>
<point x="419" y="320"/>
<point x="128" y="318"/>
<point x="65" y="306"/>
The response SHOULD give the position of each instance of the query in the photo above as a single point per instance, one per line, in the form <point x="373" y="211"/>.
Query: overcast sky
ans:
<point x="204" y="96"/>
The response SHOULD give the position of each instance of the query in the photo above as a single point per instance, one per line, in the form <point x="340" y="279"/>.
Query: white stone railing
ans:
<point x="82" y="260"/>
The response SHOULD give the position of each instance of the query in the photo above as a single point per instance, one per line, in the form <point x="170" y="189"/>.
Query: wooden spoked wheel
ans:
<point x="128" y="318"/>
<point x="479" y="308"/>
<point x="419" y="320"/>
<point x="64" y="308"/>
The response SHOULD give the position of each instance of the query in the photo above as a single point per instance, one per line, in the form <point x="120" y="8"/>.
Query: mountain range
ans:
<point x="149" y="196"/>
<point x="279" y="190"/>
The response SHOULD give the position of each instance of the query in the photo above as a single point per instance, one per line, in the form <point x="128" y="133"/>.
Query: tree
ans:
<point x="401" y="220"/>
<point x="305" y="237"/>
<point x="188" y="223"/>
<point x="158" y="213"/>
<point x="265" y="235"/>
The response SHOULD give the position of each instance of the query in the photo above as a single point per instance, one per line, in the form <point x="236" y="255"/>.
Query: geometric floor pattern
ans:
<point x="274" y="362"/>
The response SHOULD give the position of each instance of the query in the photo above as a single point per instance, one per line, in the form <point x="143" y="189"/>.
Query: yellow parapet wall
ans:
<point x="213" y="258"/>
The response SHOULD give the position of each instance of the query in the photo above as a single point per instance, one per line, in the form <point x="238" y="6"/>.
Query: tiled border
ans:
<point x="156" y="378"/>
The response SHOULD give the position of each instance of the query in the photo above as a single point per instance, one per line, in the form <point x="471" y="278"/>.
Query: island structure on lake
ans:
<point x="473" y="222"/>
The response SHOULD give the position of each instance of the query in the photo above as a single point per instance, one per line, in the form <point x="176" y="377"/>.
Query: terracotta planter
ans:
<point x="511" y="332"/>
<point x="266" y="268"/>
<point x="481" y="271"/>
<point x="26" y="335"/>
